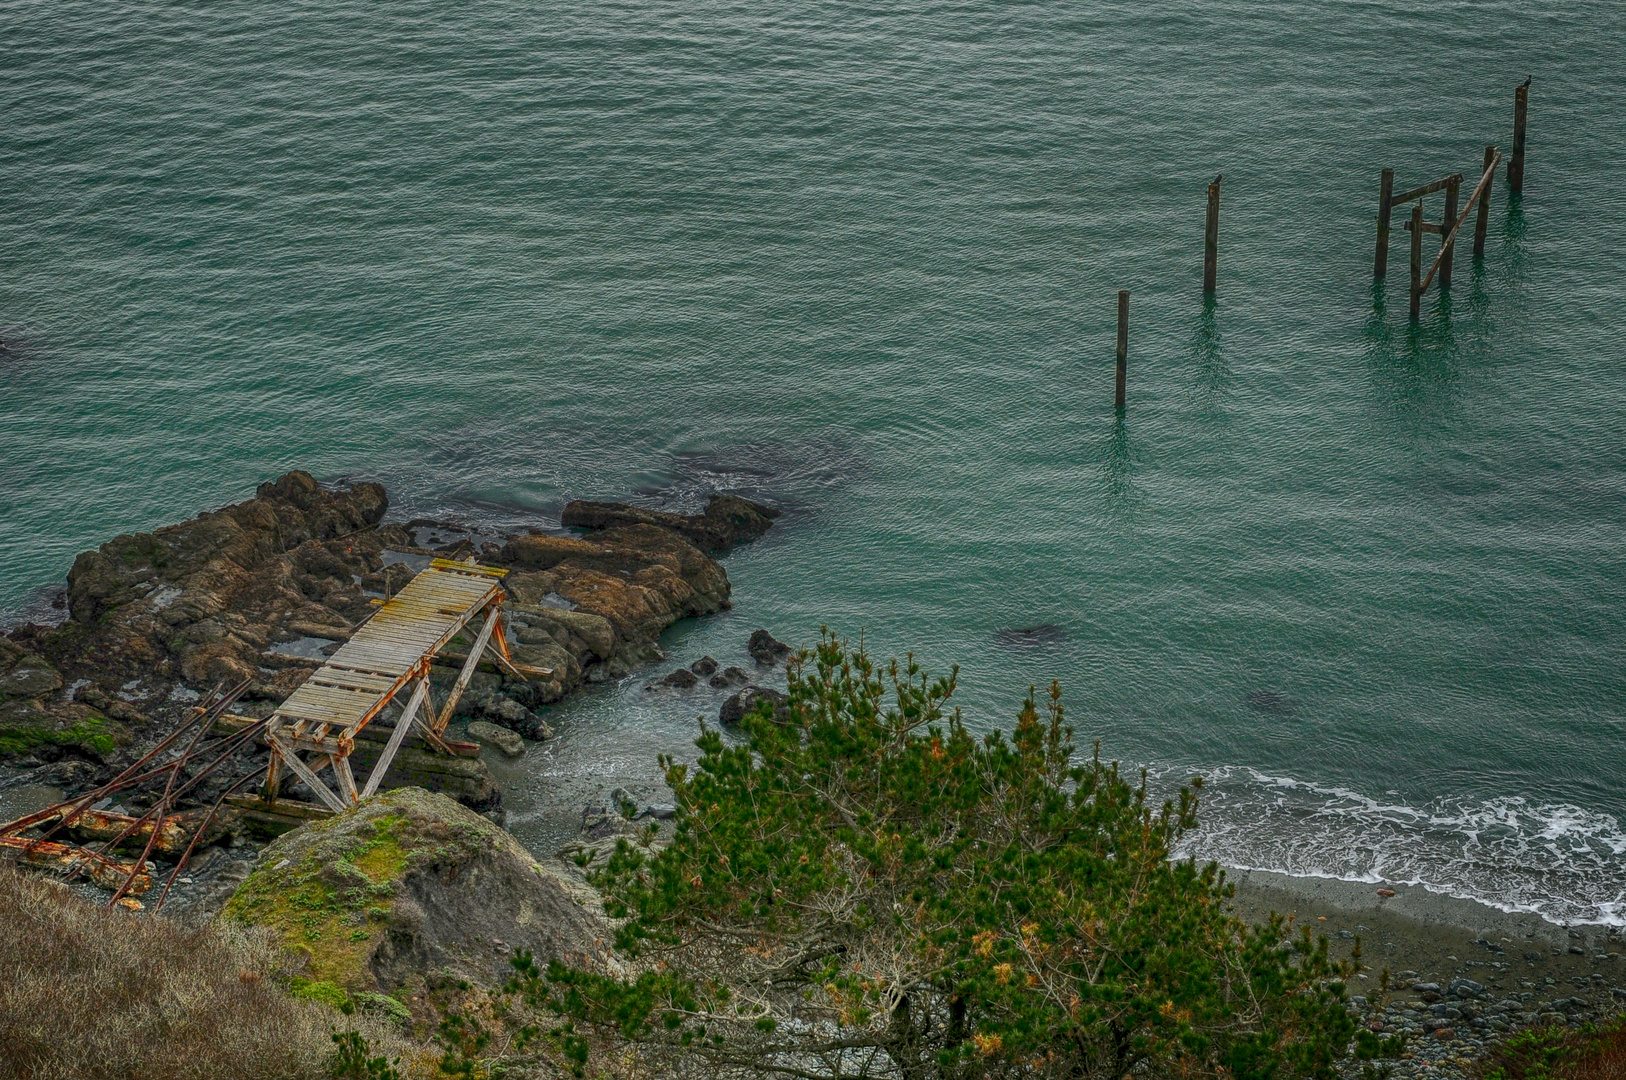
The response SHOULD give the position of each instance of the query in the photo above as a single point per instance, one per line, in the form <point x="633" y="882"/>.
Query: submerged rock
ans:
<point x="508" y="742"/>
<point x="1269" y="701"/>
<point x="738" y="705"/>
<point x="681" y="679"/>
<point x="411" y="884"/>
<point x="1028" y="637"/>
<point x="729" y="676"/>
<point x="766" y="649"/>
<point x="508" y="713"/>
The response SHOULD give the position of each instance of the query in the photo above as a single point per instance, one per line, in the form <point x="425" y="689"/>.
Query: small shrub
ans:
<point x="1590" y="1052"/>
<point x="352" y="1060"/>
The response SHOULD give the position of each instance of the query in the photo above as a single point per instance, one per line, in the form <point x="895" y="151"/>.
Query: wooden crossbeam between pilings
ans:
<point x="1427" y="189"/>
<point x="1388" y="200"/>
<point x="1451" y="237"/>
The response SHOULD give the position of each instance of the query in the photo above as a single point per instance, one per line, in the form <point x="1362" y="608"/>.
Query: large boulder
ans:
<point x="410" y="886"/>
<point x="727" y="520"/>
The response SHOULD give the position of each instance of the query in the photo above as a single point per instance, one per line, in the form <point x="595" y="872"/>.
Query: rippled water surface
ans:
<point x="860" y="261"/>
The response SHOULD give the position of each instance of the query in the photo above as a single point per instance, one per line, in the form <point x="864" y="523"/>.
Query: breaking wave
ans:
<point x="1558" y="861"/>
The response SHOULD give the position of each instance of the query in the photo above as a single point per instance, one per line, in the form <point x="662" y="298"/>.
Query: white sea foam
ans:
<point x="1562" y="862"/>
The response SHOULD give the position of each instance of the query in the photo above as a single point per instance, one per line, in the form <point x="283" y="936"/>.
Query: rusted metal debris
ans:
<point x="160" y="827"/>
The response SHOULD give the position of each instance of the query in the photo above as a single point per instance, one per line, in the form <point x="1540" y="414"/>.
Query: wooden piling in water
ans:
<point x="1515" y="164"/>
<point x="1211" y="236"/>
<point x="1386" y="192"/>
<point x="1416" y="259"/>
<point x="1452" y="191"/>
<point x="1123" y="345"/>
<point x="1482" y="223"/>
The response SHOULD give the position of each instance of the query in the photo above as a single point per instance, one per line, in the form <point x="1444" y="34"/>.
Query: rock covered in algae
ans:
<point x="410" y="886"/>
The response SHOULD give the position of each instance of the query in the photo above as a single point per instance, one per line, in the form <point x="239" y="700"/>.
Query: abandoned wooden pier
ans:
<point x="389" y="654"/>
<point x="313" y="730"/>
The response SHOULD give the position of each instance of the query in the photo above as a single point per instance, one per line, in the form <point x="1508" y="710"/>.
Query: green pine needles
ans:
<point x="864" y="889"/>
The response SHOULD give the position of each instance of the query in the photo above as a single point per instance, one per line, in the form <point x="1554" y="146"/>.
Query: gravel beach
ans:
<point x="1461" y="975"/>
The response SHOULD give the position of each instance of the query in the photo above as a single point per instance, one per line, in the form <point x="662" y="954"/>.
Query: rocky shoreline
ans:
<point x="260" y="591"/>
<point x="1461" y="976"/>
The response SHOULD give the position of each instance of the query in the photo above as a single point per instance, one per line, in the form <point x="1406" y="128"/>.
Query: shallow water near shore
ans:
<point x="1366" y="577"/>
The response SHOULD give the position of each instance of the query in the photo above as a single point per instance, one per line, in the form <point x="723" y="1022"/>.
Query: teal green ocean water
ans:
<point x="860" y="261"/>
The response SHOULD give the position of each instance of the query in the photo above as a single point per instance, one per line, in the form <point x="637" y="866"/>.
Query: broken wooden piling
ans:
<point x="1515" y="165"/>
<point x="1211" y="236"/>
<point x="1386" y="194"/>
<point x="1123" y="345"/>
<point x="1482" y="223"/>
<point x="1452" y="193"/>
<point x="1416" y="227"/>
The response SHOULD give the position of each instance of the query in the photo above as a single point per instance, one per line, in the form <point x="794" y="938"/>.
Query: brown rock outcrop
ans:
<point x="727" y="520"/>
<point x="199" y="602"/>
<point x="592" y="609"/>
<point x="157" y="617"/>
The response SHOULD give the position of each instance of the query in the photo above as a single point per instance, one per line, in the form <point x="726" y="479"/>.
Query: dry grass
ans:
<point x="92" y="995"/>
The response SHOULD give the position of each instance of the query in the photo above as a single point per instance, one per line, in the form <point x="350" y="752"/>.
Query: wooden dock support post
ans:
<point x="1123" y="345"/>
<point x="1416" y="259"/>
<point x="1211" y="236"/>
<point x="1482" y="223"/>
<point x="1515" y="164"/>
<point x="1452" y="191"/>
<point x="1386" y="194"/>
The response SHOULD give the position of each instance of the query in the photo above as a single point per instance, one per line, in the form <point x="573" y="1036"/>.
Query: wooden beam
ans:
<point x="1211" y="236"/>
<point x="1515" y="167"/>
<point x="341" y="772"/>
<point x="1386" y="202"/>
<point x="498" y="647"/>
<point x="1447" y="257"/>
<point x="1123" y="347"/>
<point x="1483" y="224"/>
<point x="475" y="652"/>
<point x="1451" y="237"/>
<point x="303" y="771"/>
<point x="1416" y="226"/>
<point x="1427" y="189"/>
<point x="273" y="775"/>
<point x="397" y="737"/>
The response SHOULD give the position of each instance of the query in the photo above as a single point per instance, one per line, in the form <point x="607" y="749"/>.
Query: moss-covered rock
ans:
<point x="410" y="885"/>
<point x="32" y="713"/>
<point x="25" y="725"/>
